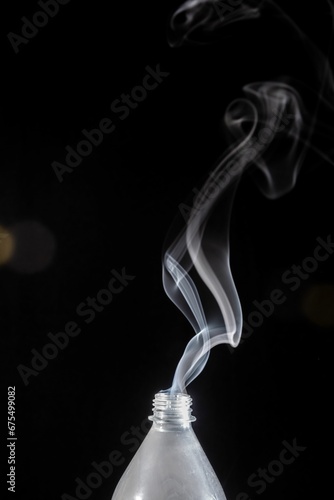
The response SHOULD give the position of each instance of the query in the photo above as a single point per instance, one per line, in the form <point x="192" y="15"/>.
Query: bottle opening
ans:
<point x="172" y="407"/>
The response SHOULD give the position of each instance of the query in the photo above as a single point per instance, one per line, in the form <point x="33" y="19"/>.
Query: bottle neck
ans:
<point x="172" y="411"/>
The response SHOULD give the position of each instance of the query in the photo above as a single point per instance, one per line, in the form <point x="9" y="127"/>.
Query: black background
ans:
<point x="114" y="210"/>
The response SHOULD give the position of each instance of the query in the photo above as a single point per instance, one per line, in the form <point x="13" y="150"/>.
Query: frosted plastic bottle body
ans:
<point x="170" y="463"/>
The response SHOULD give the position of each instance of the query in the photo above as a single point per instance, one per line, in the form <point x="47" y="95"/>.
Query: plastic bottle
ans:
<point x="170" y="464"/>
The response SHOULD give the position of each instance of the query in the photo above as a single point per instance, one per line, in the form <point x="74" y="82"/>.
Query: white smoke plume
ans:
<point x="271" y="131"/>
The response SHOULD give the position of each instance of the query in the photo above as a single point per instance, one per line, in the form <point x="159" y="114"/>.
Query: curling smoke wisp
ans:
<point x="271" y="131"/>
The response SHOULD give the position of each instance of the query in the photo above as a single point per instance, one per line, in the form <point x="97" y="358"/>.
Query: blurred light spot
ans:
<point x="34" y="247"/>
<point x="6" y="245"/>
<point x="318" y="305"/>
